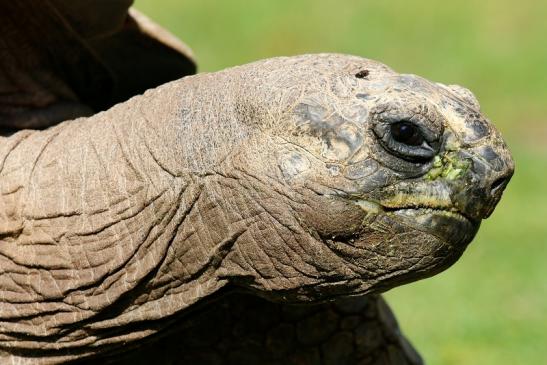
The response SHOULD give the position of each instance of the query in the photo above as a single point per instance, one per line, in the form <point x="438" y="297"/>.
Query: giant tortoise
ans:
<point x="247" y="216"/>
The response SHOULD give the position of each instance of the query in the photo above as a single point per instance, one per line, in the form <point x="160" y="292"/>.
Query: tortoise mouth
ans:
<point x="447" y="224"/>
<point x="452" y="227"/>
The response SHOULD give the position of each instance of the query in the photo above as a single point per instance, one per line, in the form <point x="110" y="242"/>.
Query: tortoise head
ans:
<point x="390" y="173"/>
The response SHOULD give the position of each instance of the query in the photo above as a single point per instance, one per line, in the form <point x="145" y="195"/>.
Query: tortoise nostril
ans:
<point x="499" y="184"/>
<point x="362" y="74"/>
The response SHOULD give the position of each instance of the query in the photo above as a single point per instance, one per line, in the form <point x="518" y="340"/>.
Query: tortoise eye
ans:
<point x="407" y="133"/>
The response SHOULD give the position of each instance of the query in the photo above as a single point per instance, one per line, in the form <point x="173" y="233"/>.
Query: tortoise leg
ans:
<point x="243" y="329"/>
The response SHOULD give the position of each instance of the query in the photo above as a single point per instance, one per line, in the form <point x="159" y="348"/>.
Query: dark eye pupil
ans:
<point x="407" y="133"/>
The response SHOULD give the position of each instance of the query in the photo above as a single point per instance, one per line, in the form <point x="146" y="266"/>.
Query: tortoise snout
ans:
<point x="499" y="167"/>
<point x="498" y="186"/>
<point x="488" y="177"/>
<point x="492" y="169"/>
<point x="495" y="191"/>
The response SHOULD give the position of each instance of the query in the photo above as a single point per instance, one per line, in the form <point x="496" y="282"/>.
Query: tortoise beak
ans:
<point x="451" y="227"/>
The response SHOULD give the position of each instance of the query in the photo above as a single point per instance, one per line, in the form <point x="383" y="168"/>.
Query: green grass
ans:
<point x="491" y="307"/>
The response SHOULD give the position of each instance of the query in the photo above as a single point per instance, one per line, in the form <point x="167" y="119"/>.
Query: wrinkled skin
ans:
<point x="293" y="181"/>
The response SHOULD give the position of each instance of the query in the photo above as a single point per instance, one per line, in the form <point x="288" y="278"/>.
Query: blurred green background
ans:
<point x="491" y="306"/>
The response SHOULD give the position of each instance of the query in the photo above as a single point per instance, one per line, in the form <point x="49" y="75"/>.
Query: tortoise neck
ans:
<point x="97" y="233"/>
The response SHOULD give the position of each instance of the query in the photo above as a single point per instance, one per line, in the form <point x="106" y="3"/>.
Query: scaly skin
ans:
<point x="280" y="178"/>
